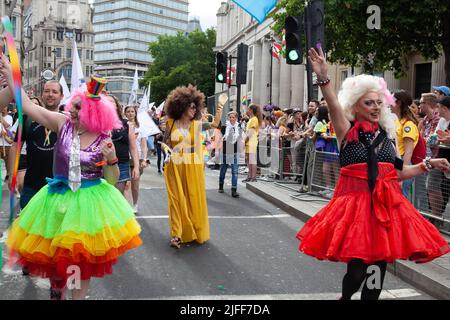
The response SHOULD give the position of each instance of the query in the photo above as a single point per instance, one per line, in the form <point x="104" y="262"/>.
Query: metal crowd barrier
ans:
<point x="278" y="160"/>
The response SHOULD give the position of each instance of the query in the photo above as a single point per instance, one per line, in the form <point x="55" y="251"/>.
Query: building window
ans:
<point x="250" y="53"/>
<point x="344" y="75"/>
<point x="60" y="34"/>
<point x="58" y="52"/>
<point x="250" y="80"/>
<point x="69" y="53"/>
<point x="66" y="71"/>
<point x="14" y="22"/>
<point x="49" y="52"/>
<point x="78" y="37"/>
<point x="79" y="53"/>
<point x="87" y="71"/>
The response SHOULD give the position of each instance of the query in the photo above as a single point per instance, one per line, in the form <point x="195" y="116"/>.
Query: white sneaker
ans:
<point x="329" y="194"/>
<point x="136" y="208"/>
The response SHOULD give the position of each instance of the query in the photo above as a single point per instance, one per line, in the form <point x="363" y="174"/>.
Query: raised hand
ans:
<point x="6" y="71"/>
<point x="223" y="98"/>
<point x="319" y="65"/>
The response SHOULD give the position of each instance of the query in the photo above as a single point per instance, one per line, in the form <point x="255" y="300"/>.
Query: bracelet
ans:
<point x="424" y="167"/>
<point x="322" y="83"/>
<point x="113" y="162"/>
<point x="427" y="163"/>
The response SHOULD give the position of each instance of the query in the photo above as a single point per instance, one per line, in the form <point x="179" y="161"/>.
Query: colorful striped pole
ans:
<point x="17" y="79"/>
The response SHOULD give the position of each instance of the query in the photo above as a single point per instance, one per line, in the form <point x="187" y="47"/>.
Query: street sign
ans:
<point x="48" y="74"/>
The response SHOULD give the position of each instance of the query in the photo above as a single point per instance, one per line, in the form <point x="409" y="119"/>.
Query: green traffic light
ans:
<point x="220" y="77"/>
<point x="293" y="55"/>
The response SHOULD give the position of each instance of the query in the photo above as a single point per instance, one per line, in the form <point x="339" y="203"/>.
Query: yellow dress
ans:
<point x="185" y="182"/>
<point x="253" y="131"/>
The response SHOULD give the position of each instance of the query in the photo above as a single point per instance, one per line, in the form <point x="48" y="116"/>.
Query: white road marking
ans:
<point x="385" y="294"/>
<point x="276" y="216"/>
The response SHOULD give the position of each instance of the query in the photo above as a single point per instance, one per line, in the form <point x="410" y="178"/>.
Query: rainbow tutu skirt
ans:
<point x="89" y="228"/>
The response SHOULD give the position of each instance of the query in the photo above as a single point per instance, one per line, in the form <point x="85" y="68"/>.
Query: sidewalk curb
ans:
<point x="431" y="279"/>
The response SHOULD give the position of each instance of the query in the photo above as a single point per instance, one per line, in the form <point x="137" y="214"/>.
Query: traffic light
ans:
<point x="293" y="36"/>
<point x="221" y="66"/>
<point x="316" y="18"/>
<point x="241" y="67"/>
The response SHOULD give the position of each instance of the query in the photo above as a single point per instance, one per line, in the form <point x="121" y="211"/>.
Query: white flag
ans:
<point x="144" y="103"/>
<point x="134" y="88"/>
<point x="77" y="80"/>
<point x="147" y="125"/>
<point x="160" y="108"/>
<point x="66" y="90"/>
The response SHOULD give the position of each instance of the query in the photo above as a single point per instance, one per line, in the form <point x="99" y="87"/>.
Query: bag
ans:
<point x="420" y="151"/>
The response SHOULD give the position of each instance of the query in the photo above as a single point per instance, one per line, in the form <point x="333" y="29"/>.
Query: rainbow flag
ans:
<point x="244" y="100"/>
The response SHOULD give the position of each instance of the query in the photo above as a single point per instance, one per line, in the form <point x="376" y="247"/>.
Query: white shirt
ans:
<point x="139" y="137"/>
<point x="14" y="130"/>
<point x="9" y="120"/>
<point x="442" y="125"/>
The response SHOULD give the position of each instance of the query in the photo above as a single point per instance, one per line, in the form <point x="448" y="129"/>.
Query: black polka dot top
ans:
<point x="357" y="152"/>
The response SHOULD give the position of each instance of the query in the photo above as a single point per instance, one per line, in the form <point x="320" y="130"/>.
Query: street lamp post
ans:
<point x="54" y="61"/>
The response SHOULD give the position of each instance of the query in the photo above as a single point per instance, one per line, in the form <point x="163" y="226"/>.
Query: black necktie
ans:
<point x="372" y="159"/>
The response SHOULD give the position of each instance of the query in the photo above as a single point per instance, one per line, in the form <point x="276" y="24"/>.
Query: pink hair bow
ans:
<point x="387" y="95"/>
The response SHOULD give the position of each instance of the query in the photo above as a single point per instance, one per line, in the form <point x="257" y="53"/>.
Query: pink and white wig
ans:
<point x="96" y="114"/>
<point x="354" y="88"/>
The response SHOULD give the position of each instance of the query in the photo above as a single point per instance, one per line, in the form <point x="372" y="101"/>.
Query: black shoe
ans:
<point x="221" y="188"/>
<point x="25" y="271"/>
<point x="234" y="194"/>
<point x="56" y="294"/>
<point x="6" y="178"/>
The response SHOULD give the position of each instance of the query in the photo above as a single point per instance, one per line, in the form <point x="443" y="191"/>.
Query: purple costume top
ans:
<point x="88" y="157"/>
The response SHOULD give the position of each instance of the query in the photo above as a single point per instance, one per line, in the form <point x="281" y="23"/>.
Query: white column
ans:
<point x="392" y="83"/>
<point x="256" y="88"/>
<point x="265" y="73"/>
<point x="438" y="71"/>
<point x="276" y="82"/>
<point x="285" y="85"/>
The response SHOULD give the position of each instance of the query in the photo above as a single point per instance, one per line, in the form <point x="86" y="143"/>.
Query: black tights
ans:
<point x="357" y="274"/>
<point x="161" y="156"/>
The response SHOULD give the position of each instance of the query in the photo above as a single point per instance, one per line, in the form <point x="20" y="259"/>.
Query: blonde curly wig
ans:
<point x="354" y="88"/>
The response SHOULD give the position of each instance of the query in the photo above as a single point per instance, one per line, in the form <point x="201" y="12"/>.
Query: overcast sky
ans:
<point x="205" y="10"/>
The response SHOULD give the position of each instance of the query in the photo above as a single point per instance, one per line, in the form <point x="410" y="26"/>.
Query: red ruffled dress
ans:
<point x="377" y="225"/>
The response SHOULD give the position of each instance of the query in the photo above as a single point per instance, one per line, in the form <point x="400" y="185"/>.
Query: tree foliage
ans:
<point x="407" y="27"/>
<point x="181" y="60"/>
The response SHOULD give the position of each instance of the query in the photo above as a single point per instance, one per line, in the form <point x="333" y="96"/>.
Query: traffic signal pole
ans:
<point x="309" y="77"/>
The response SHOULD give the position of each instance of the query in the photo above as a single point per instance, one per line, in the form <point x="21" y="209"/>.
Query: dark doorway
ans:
<point x="423" y="79"/>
